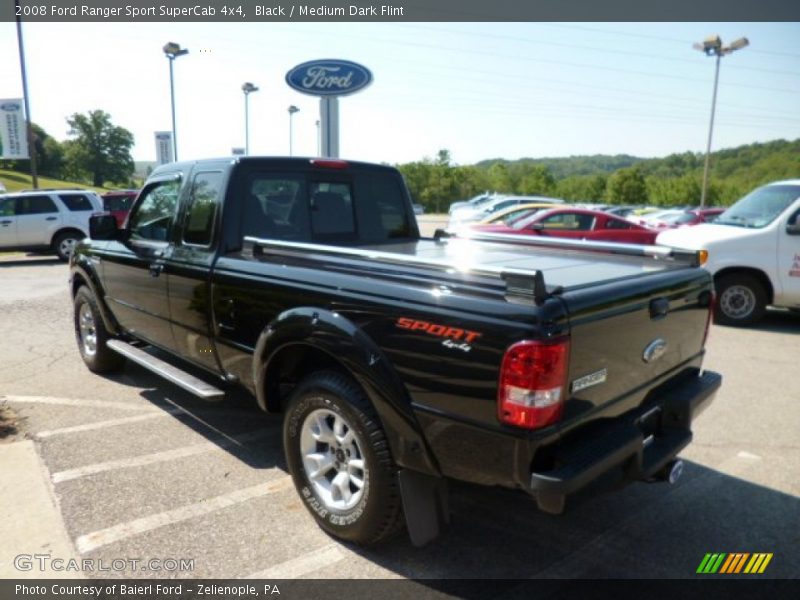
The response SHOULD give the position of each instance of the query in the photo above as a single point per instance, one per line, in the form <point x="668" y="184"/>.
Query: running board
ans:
<point x="190" y="383"/>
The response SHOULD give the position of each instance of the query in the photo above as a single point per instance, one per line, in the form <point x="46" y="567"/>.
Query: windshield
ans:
<point x="760" y="207"/>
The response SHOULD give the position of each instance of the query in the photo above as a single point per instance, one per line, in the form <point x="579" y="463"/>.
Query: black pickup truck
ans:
<point x="553" y="367"/>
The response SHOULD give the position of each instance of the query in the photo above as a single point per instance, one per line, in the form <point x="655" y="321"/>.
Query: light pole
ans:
<point x="292" y="109"/>
<point x="318" y="140"/>
<point x="247" y="88"/>
<point x="712" y="46"/>
<point x="173" y="51"/>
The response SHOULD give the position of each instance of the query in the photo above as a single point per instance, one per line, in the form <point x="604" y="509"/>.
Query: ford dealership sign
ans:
<point x="329" y="77"/>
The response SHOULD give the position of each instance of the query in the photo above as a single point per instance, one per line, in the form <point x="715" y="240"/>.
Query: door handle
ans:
<point x="155" y="269"/>
<point x="6" y="222"/>
<point x="51" y="219"/>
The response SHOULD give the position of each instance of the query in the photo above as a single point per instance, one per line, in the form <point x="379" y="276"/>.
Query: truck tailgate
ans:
<point x="625" y="335"/>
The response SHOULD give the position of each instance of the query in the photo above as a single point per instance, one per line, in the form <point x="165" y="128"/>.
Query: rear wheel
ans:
<point x="339" y="459"/>
<point x="741" y="299"/>
<point x="64" y="243"/>
<point x="91" y="335"/>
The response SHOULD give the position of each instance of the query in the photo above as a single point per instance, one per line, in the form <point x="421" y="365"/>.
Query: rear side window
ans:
<point x="618" y="224"/>
<point x="35" y="205"/>
<point x="198" y="226"/>
<point x="76" y="202"/>
<point x="381" y="210"/>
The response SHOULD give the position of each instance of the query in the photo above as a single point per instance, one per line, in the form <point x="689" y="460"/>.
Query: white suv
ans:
<point x="46" y="219"/>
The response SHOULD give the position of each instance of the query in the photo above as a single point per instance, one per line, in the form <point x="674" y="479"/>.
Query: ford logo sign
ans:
<point x="654" y="350"/>
<point x="329" y="77"/>
<point x="10" y="107"/>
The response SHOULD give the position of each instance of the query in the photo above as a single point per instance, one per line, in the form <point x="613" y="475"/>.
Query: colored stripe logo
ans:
<point x="734" y="563"/>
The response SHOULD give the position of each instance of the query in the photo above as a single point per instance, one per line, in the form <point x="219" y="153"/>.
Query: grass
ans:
<point x="16" y="181"/>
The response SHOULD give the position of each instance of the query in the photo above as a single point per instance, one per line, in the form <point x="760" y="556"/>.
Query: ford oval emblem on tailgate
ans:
<point x="654" y="350"/>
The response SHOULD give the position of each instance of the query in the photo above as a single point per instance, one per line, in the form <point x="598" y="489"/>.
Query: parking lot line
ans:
<point x="157" y="457"/>
<point x="103" y="537"/>
<point x="81" y="402"/>
<point x="302" y="565"/>
<point x="103" y="424"/>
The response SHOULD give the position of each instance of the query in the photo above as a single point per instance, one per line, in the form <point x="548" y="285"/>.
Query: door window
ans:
<point x="7" y="207"/>
<point x="568" y="222"/>
<point x="35" y="205"/>
<point x="152" y="218"/>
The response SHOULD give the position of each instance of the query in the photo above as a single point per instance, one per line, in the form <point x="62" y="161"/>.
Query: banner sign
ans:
<point x="163" y="147"/>
<point x="13" y="133"/>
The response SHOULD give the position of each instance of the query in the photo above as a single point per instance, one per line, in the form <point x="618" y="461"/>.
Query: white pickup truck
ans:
<point x="753" y="252"/>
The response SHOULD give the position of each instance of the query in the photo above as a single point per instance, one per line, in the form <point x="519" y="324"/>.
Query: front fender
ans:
<point x="348" y="345"/>
<point x="82" y="272"/>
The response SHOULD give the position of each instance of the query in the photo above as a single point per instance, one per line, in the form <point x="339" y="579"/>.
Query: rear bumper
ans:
<point x="635" y="446"/>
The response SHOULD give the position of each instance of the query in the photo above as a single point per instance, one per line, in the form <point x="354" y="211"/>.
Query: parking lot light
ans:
<point x="713" y="46"/>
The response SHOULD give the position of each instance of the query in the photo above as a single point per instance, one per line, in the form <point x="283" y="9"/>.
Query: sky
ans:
<point x="480" y="90"/>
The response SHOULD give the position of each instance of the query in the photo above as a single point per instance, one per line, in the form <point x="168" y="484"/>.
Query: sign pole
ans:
<point x="329" y="122"/>
<point x="31" y="141"/>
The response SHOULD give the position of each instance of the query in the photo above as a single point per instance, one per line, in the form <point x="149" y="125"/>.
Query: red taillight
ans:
<point x="329" y="164"/>
<point x="533" y="383"/>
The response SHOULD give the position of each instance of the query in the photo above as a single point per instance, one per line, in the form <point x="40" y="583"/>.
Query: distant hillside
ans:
<point x="15" y="181"/>
<point x="572" y="166"/>
<point x="750" y="164"/>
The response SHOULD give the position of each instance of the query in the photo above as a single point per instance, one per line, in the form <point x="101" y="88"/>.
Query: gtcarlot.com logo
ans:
<point x="734" y="563"/>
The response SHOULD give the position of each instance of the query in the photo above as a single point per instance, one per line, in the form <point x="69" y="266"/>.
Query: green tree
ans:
<point x="537" y="181"/>
<point x="627" y="186"/>
<point x="587" y="188"/>
<point x="100" y="150"/>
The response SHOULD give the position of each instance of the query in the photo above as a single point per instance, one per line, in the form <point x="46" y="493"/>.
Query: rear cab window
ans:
<point x="325" y="206"/>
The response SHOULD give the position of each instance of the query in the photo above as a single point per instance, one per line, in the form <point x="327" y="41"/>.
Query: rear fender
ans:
<point x="346" y="344"/>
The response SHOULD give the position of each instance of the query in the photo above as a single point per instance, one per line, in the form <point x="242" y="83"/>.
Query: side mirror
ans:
<point x="103" y="227"/>
<point x="536" y="226"/>
<point x="793" y="225"/>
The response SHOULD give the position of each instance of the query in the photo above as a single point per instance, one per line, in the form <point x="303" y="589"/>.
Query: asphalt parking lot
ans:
<point x="142" y="470"/>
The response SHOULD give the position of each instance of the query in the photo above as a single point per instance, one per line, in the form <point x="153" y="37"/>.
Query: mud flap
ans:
<point x="425" y="505"/>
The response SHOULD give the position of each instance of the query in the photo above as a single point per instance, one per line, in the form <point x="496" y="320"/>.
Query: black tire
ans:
<point x="91" y="335"/>
<point x="372" y="513"/>
<point x="741" y="300"/>
<point x="64" y="243"/>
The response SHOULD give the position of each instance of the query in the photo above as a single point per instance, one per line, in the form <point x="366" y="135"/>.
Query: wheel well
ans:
<point x="65" y="230"/>
<point x="77" y="282"/>
<point x="758" y="274"/>
<point x="289" y="366"/>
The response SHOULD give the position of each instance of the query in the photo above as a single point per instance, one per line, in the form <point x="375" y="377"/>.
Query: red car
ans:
<point x="577" y="223"/>
<point x="119" y="203"/>
<point x="693" y="216"/>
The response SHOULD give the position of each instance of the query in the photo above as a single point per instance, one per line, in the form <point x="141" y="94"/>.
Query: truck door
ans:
<point x="136" y="291"/>
<point x="789" y="258"/>
<point x="8" y="223"/>
<point x="188" y="268"/>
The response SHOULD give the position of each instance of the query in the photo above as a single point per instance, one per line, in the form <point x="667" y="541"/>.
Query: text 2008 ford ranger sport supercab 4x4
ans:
<point x="399" y="362"/>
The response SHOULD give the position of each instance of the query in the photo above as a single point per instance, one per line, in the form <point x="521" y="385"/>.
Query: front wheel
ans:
<point x="741" y="300"/>
<point x="91" y="335"/>
<point x="339" y="459"/>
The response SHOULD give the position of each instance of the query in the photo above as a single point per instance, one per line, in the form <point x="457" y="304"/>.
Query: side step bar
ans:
<point x="170" y="372"/>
